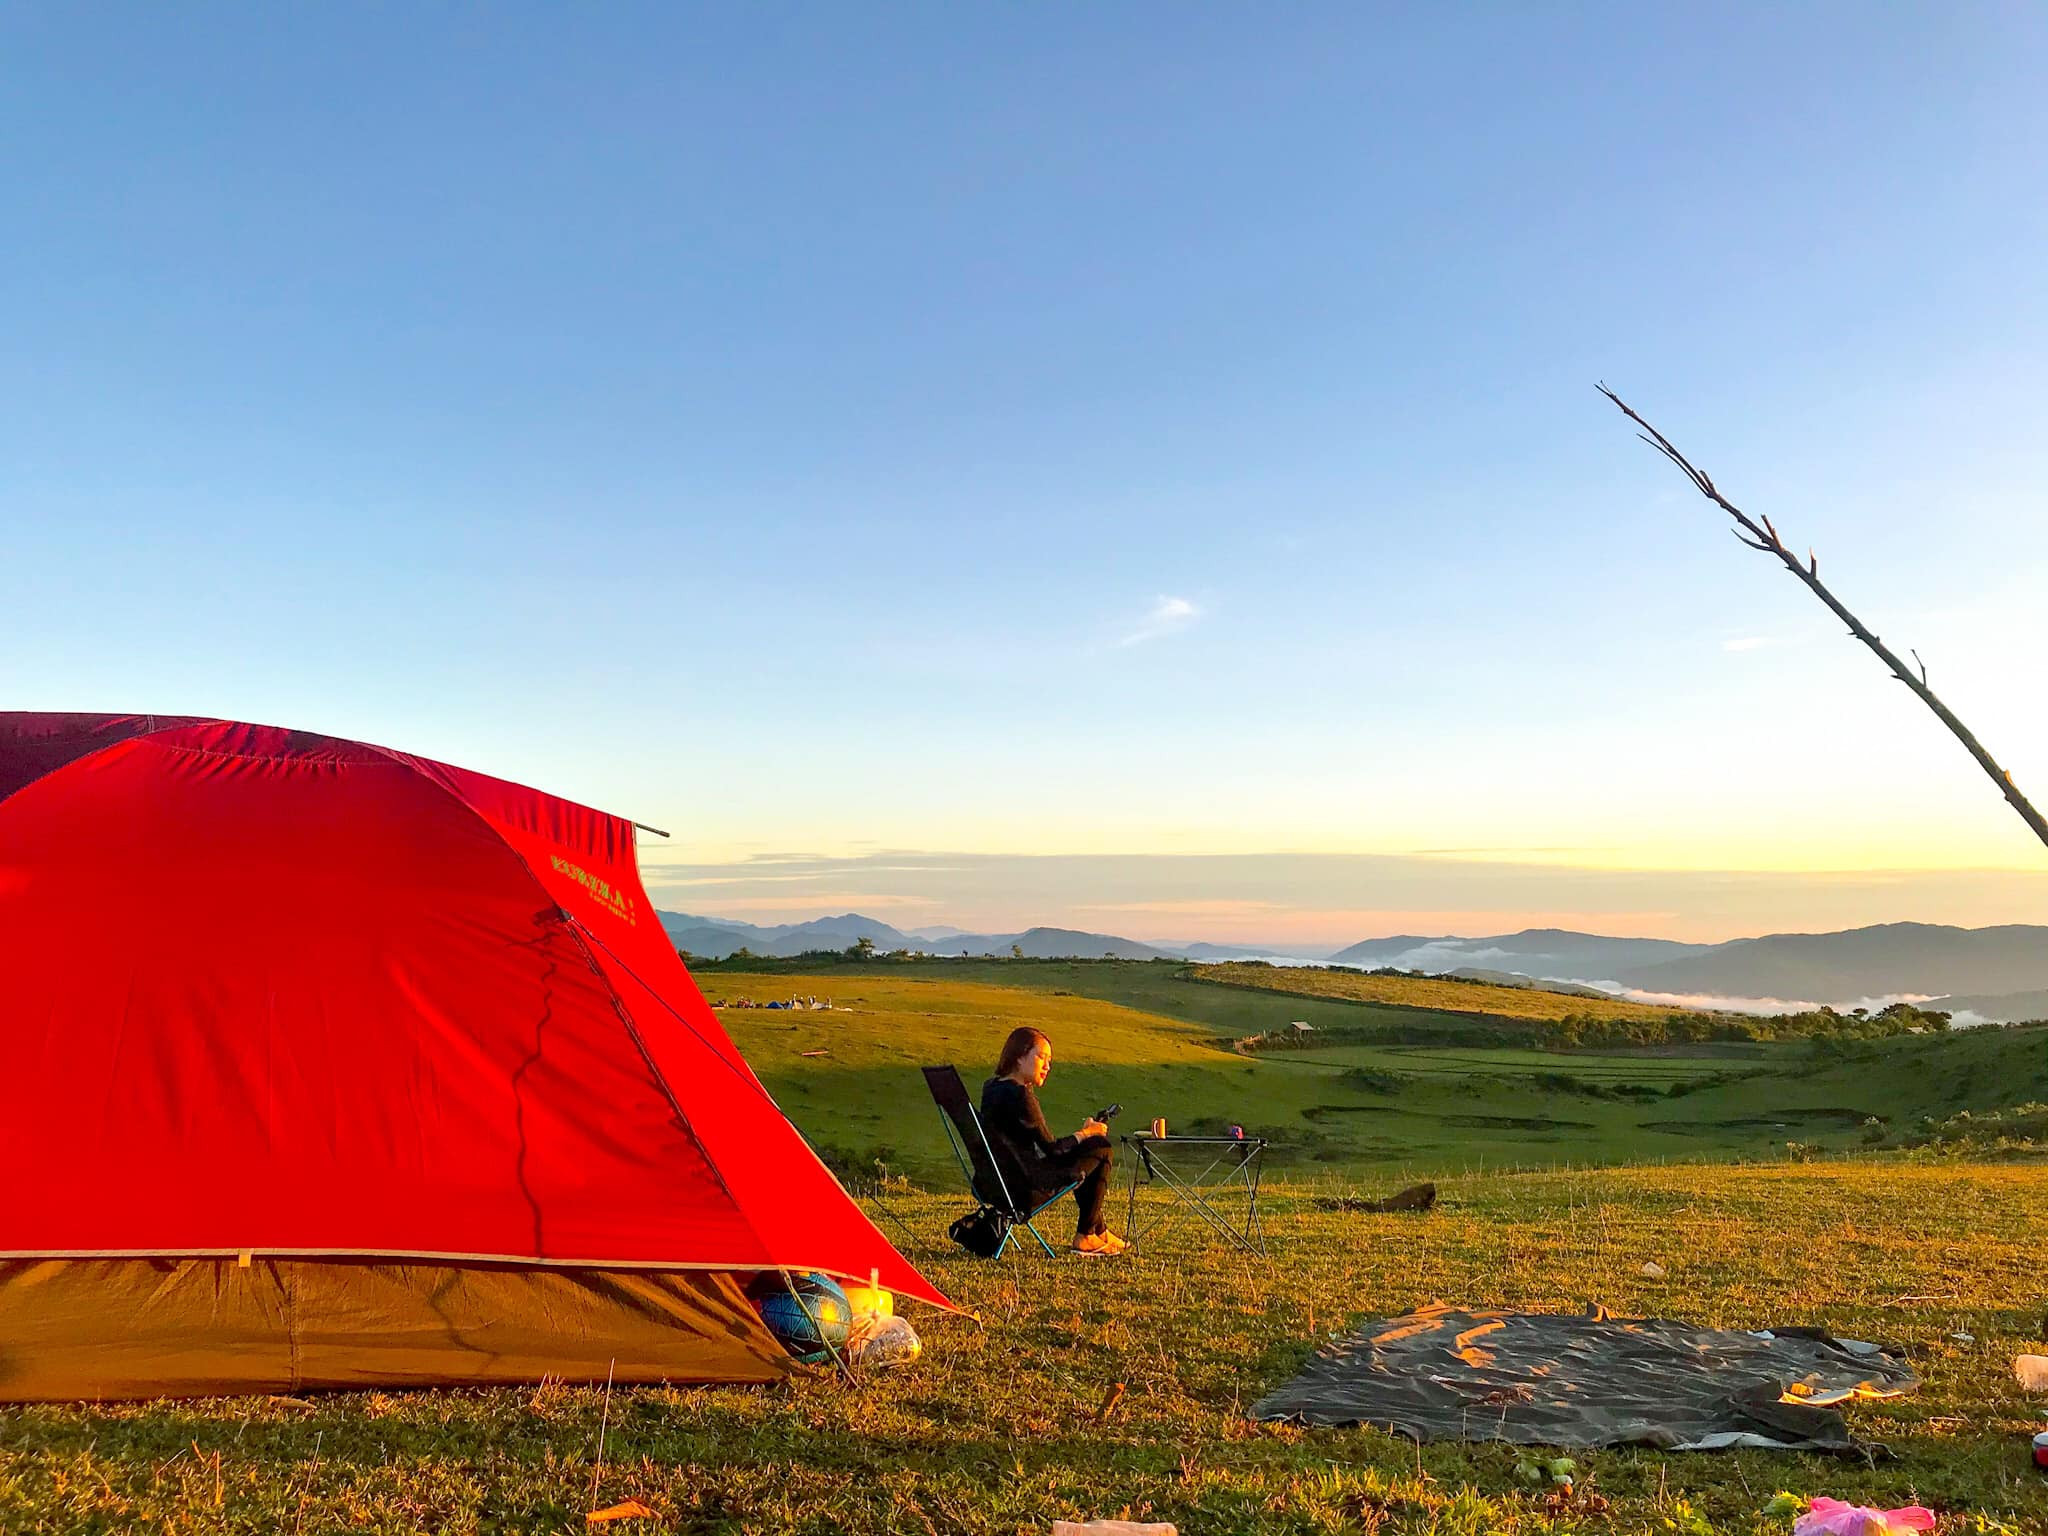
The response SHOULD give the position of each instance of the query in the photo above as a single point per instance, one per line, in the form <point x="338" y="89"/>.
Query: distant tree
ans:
<point x="862" y="948"/>
<point x="743" y="953"/>
<point x="1016" y="951"/>
<point x="1904" y="1016"/>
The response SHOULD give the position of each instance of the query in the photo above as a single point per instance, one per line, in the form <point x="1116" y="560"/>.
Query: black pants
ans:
<point x="1088" y="1162"/>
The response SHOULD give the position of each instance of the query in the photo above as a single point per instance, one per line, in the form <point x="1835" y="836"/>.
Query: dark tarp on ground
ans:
<point x="129" y="1328"/>
<point x="1588" y="1380"/>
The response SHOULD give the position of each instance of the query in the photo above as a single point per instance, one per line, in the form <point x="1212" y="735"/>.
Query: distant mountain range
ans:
<point x="1986" y="973"/>
<point x="1884" y="961"/>
<point x="1992" y="973"/>
<point x="717" y="937"/>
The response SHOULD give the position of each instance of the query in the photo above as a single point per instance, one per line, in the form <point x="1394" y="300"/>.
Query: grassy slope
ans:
<point x="994" y="1431"/>
<point x="882" y="1028"/>
<point x="1153" y="987"/>
<point x="1659" y="1068"/>
<point x="1450" y="1110"/>
<point x="1424" y="992"/>
<point x="867" y="1094"/>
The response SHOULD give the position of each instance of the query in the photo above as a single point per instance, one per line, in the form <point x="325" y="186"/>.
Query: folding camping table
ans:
<point x="1192" y="1169"/>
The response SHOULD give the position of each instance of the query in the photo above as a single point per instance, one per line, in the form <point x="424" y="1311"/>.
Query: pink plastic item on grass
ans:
<point x="1831" y="1517"/>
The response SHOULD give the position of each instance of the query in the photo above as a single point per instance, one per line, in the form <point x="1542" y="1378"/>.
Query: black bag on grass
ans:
<point x="982" y="1233"/>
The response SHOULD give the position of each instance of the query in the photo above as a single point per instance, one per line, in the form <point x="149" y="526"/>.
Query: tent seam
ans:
<point x="751" y="1080"/>
<point x="576" y="930"/>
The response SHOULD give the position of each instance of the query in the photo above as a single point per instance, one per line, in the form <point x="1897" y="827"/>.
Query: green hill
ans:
<point x="1420" y="1103"/>
<point x="1443" y="994"/>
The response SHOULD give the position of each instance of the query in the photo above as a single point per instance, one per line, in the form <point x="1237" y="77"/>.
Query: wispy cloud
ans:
<point x="678" y="882"/>
<point x="823" y="868"/>
<point x="1206" y="907"/>
<point x="1516" y="851"/>
<point x="817" y="904"/>
<point x="1167" y="616"/>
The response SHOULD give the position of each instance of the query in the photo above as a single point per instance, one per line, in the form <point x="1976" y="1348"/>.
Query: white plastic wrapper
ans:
<point x="880" y="1341"/>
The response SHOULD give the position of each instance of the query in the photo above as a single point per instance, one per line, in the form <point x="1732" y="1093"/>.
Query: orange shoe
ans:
<point x="1102" y="1244"/>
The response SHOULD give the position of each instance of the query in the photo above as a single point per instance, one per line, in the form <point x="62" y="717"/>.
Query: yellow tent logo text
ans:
<point x="614" y="900"/>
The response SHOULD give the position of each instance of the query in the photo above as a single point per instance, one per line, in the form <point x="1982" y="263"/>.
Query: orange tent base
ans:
<point x="143" y="1328"/>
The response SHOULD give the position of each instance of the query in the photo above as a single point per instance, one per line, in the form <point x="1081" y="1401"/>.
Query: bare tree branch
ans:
<point x="1765" y="538"/>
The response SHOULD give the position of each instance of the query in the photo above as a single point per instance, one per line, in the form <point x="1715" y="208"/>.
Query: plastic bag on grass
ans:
<point x="877" y="1341"/>
<point x="1831" y="1517"/>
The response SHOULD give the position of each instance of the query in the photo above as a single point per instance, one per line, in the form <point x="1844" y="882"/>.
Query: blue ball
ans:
<point x="806" y="1322"/>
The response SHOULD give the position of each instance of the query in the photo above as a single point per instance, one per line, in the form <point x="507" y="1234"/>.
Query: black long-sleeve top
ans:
<point x="1010" y="1114"/>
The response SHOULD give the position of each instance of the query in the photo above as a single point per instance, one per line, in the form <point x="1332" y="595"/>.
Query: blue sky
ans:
<point x="1139" y="431"/>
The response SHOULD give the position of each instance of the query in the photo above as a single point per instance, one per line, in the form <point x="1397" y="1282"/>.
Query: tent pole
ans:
<point x="805" y="1308"/>
<point x="683" y="1019"/>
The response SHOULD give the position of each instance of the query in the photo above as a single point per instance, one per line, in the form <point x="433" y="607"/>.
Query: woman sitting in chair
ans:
<point x="1014" y="1122"/>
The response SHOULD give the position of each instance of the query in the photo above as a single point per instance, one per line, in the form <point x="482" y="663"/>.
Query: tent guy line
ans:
<point x="746" y="1077"/>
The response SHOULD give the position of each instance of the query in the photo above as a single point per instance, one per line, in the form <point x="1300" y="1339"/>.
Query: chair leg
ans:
<point x="1039" y="1210"/>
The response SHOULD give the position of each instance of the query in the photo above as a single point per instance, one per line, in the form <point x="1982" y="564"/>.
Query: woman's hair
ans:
<point x="1020" y="1044"/>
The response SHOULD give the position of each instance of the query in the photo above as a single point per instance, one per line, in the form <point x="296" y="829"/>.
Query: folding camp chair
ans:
<point x="982" y="1167"/>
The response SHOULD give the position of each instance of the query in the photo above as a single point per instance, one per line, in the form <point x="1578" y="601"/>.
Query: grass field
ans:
<point x="995" y="1430"/>
<point x="1653" y="1069"/>
<point x="1398" y="1110"/>
<point x="1150" y="987"/>
<point x="1429" y="992"/>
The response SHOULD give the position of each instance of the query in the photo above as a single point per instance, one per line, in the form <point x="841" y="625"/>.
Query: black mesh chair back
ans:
<point x="996" y="1180"/>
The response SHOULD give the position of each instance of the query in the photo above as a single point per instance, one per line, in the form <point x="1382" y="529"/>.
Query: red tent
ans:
<point x="323" y="1064"/>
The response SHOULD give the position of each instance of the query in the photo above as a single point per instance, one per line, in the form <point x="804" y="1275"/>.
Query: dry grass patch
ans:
<point x="1471" y="997"/>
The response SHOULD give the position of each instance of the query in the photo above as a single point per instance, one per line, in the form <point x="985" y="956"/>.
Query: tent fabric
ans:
<point x="31" y="745"/>
<point x="109" y="1329"/>
<point x="1535" y="1378"/>
<point x="272" y="992"/>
